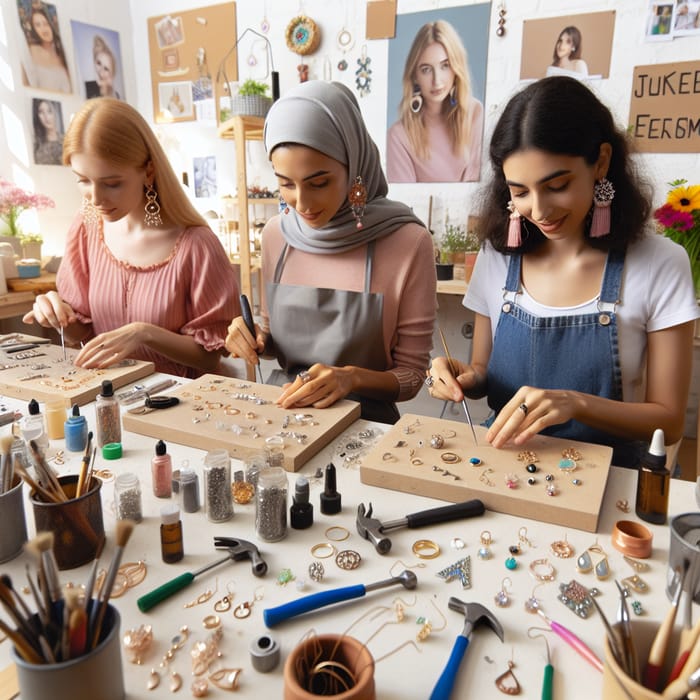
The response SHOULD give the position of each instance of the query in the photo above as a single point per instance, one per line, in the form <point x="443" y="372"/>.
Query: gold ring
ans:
<point x="450" y="457"/>
<point x="548" y="575"/>
<point x="426" y="549"/>
<point x="344" y="533"/>
<point x="211" y="622"/>
<point x="326" y="547"/>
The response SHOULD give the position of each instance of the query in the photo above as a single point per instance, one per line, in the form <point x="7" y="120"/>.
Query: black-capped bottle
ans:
<point x="301" y="513"/>
<point x="653" y="482"/>
<point x="107" y="416"/>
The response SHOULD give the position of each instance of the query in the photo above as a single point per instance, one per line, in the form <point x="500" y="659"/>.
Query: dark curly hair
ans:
<point x="562" y="116"/>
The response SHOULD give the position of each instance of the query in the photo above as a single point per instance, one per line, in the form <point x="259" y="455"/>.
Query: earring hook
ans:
<point x="540" y="636"/>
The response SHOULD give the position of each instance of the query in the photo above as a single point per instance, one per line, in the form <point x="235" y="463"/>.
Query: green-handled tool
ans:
<point x="237" y="550"/>
<point x="548" y="679"/>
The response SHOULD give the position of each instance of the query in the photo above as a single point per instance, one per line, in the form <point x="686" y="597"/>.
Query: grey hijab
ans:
<point x="326" y="117"/>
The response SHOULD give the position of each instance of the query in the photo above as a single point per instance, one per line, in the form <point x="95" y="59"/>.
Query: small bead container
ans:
<point x="217" y="486"/>
<point x="271" y="504"/>
<point x="189" y="490"/>
<point x="127" y="497"/>
<point x="254" y="464"/>
<point x="274" y="451"/>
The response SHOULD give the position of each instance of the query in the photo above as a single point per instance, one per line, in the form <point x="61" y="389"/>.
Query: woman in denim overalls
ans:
<point x="579" y="307"/>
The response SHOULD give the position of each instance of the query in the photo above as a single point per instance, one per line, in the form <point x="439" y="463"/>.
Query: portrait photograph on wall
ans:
<point x="175" y="101"/>
<point x="435" y="96"/>
<point x="98" y="59"/>
<point x="686" y="19"/>
<point x="659" y="24"/>
<point x="42" y="54"/>
<point x="579" y="46"/>
<point x="204" y="176"/>
<point x="47" y="122"/>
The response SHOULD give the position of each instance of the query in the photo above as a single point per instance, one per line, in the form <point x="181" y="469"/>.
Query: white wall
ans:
<point x="186" y="140"/>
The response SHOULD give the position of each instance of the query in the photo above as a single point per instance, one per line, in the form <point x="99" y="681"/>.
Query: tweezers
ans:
<point x="453" y="370"/>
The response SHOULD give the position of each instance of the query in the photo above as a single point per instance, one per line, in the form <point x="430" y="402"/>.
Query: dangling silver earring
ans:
<point x="152" y="207"/>
<point x="416" y="100"/>
<point x="89" y="211"/>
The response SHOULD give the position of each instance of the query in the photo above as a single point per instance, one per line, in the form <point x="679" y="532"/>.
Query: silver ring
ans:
<point x="429" y="381"/>
<point x="523" y="407"/>
<point x="304" y="376"/>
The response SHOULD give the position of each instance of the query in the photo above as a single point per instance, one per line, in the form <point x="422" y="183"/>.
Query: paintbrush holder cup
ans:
<point x="617" y="685"/>
<point x="13" y="532"/>
<point x="77" y="524"/>
<point x="97" y="674"/>
<point x="331" y="665"/>
<point x="684" y="547"/>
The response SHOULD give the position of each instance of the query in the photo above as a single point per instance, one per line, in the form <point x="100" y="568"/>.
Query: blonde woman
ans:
<point x="142" y="275"/>
<point x="439" y="134"/>
<point x="105" y="70"/>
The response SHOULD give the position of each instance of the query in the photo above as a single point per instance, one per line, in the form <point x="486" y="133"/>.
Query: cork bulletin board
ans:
<point x="176" y="42"/>
<point x="41" y="373"/>
<point x="405" y="461"/>
<point x="221" y="413"/>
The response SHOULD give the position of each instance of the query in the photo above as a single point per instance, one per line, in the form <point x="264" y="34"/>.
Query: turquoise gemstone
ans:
<point x="511" y="563"/>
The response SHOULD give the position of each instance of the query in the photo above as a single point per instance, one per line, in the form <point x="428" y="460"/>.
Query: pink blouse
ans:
<point x="193" y="292"/>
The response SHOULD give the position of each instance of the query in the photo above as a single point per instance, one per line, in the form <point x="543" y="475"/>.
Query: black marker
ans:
<point x="250" y="325"/>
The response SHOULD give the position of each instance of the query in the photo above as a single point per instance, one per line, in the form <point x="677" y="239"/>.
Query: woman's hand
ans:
<point x="443" y="385"/>
<point x="110" y="348"/>
<point x="240" y="343"/>
<point x="50" y="311"/>
<point x="529" y="412"/>
<point x="321" y="386"/>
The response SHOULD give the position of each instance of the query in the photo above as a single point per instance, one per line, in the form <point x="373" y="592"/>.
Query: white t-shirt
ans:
<point x="657" y="292"/>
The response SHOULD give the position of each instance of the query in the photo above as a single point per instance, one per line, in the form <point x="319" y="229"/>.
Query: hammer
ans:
<point x="373" y="530"/>
<point x="475" y="615"/>
<point x="273" y="616"/>
<point x="237" y="550"/>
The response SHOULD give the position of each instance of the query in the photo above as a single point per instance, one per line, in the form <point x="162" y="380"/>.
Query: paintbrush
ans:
<point x="41" y="610"/>
<point x="6" y="469"/>
<point x="97" y="614"/>
<point x="685" y="681"/>
<point x="82" y="479"/>
<point x="24" y="649"/>
<point x="453" y="370"/>
<point x="46" y="474"/>
<point x="76" y="625"/>
<point x="44" y="542"/>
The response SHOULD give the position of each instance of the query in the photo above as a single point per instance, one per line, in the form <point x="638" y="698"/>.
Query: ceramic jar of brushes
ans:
<point x="329" y="665"/>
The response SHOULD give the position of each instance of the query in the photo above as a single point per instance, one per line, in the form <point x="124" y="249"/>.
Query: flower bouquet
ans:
<point x="679" y="220"/>
<point x="14" y="200"/>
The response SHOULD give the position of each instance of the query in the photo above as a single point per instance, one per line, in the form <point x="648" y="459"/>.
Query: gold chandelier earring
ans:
<point x="152" y="207"/>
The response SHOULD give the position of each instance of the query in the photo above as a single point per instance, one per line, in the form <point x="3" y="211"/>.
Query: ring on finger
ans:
<point x="304" y="376"/>
<point x="524" y="408"/>
<point x="429" y="381"/>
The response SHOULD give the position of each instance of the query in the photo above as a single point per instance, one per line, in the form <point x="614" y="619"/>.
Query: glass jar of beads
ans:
<point x="217" y="486"/>
<point x="271" y="504"/>
<point x="127" y="497"/>
<point x="188" y="489"/>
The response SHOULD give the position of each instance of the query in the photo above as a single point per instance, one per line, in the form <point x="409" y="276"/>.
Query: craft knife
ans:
<point x="250" y="325"/>
<point x="139" y="393"/>
<point x="63" y="343"/>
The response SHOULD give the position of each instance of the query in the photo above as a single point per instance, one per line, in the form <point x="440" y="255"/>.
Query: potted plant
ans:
<point x="31" y="245"/>
<point x="251" y="99"/>
<point x="13" y="202"/>
<point x="444" y="268"/>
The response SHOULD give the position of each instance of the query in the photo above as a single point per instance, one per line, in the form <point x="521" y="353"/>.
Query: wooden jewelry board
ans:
<point x="201" y="420"/>
<point x="396" y="467"/>
<point x="48" y="377"/>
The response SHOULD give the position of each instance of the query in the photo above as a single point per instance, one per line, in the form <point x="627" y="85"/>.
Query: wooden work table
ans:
<point x="46" y="282"/>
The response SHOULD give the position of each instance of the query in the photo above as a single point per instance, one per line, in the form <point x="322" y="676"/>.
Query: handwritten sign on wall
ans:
<point x="665" y="108"/>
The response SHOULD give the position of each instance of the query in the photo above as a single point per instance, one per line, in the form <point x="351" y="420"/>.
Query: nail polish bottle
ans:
<point x="301" y="513"/>
<point x="162" y="472"/>
<point x="330" y="498"/>
<point x="76" y="430"/>
<point x="653" y="482"/>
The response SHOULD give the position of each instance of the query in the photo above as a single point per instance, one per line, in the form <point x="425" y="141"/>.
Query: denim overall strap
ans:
<point x="575" y="352"/>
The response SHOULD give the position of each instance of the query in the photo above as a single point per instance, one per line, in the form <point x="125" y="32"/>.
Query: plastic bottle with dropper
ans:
<point x="653" y="482"/>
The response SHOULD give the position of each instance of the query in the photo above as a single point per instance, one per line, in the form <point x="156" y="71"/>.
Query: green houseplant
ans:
<point x="251" y="99"/>
<point x="31" y="245"/>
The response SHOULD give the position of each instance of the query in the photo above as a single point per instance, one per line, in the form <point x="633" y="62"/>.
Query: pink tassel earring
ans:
<point x="514" y="227"/>
<point x="357" y="196"/>
<point x="603" y="194"/>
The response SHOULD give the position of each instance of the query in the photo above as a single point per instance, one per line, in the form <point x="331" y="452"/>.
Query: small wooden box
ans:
<point x="211" y="414"/>
<point x="403" y="460"/>
<point x="46" y="376"/>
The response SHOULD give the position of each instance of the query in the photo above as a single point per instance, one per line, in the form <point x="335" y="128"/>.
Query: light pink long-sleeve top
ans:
<point x="403" y="272"/>
<point x="403" y="165"/>
<point x="192" y="292"/>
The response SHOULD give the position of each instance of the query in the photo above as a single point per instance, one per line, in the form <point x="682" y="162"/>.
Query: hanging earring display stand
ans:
<point x="231" y="414"/>
<point x="43" y="374"/>
<point x="406" y="459"/>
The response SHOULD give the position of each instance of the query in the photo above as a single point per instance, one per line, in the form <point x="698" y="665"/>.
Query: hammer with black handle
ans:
<point x="374" y="530"/>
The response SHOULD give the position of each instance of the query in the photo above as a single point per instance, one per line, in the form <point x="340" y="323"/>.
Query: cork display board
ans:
<point x="41" y="373"/>
<point x="223" y="413"/>
<point x="403" y="460"/>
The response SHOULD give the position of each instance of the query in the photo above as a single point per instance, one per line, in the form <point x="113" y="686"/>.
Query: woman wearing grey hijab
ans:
<point x="349" y="302"/>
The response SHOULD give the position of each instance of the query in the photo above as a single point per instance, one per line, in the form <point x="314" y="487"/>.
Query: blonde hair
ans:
<point x="457" y="116"/>
<point x="99" y="45"/>
<point x="114" y="131"/>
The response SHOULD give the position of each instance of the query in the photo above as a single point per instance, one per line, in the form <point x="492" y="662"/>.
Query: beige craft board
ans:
<point x="389" y="466"/>
<point x="48" y="377"/>
<point x="205" y="400"/>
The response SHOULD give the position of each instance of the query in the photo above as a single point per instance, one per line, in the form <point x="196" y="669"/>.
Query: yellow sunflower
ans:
<point x="685" y="198"/>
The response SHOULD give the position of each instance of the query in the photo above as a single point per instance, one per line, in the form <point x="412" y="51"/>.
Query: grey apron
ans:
<point x="335" y="327"/>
